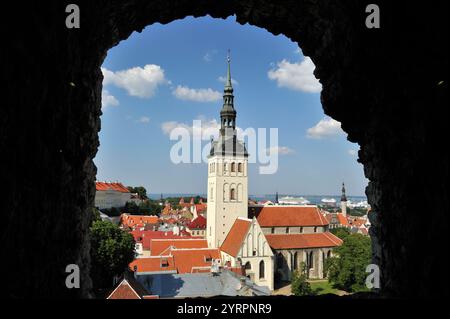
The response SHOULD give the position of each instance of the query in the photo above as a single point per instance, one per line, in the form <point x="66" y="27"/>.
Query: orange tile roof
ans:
<point x="102" y="186"/>
<point x="342" y="219"/>
<point x="277" y="216"/>
<point x="235" y="236"/>
<point x="194" y="260"/>
<point x="146" y="236"/>
<point x="136" y="220"/>
<point x="159" y="246"/>
<point x="299" y="241"/>
<point x="124" y="291"/>
<point x="153" y="264"/>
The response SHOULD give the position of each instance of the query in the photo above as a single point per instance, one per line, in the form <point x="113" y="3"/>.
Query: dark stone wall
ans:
<point x="381" y="84"/>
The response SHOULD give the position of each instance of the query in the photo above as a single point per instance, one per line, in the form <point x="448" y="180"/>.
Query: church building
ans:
<point x="264" y="241"/>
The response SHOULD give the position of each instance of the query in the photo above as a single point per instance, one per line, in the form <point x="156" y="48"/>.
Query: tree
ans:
<point x="299" y="285"/>
<point x="347" y="271"/>
<point x="140" y="190"/>
<point x="340" y="232"/>
<point x="112" y="250"/>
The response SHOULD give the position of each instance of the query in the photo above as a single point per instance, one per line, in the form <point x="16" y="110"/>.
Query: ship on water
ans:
<point x="290" y="200"/>
<point x="328" y="201"/>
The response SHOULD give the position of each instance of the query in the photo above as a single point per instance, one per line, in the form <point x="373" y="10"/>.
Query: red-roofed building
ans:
<point x="297" y="234"/>
<point x="197" y="227"/>
<point x="130" y="288"/>
<point x="192" y="260"/>
<point x="289" y="219"/>
<point x="246" y="247"/>
<point x="143" y="239"/>
<point x="162" y="246"/>
<point x="108" y="195"/>
<point x="137" y="221"/>
<point x="154" y="265"/>
<point x="337" y="220"/>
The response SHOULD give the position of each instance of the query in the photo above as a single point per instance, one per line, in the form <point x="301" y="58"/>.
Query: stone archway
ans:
<point x="387" y="99"/>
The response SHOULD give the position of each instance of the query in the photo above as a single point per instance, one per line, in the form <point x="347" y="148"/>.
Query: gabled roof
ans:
<point x="103" y="186"/>
<point x="198" y="223"/>
<point x="129" y="288"/>
<point x="282" y="216"/>
<point x="160" y="246"/>
<point x="299" y="241"/>
<point x="236" y="236"/>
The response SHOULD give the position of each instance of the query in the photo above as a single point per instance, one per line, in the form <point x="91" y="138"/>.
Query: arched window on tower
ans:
<point x="232" y="194"/>
<point x="233" y="167"/>
<point x="240" y="167"/>
<point x="261" y="269"/>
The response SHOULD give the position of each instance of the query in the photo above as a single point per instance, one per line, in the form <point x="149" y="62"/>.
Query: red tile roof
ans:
<point x="277" y="216"/>
<point x="102" y="186"/>
<point x="161" y="246"/>
<point x="342" y="219"/>
<point x="299" y="241"/>
<point x="198" y="223"/>
<point x="137" y="220"/>
<point x="153" y="264"/>
<point x="124" y="291"/>
<point x="200" y="207"/>
<point x="236" y="236"/>
<point x="145" y="237"/>
<point x="179" y="260"/>
<point x="194" y="260"/>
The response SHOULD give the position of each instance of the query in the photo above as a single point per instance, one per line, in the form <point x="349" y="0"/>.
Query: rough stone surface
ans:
<point x="381" y="84"/>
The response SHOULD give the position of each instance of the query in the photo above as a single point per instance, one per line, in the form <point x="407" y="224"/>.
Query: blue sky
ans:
<point x="169" y="75"/>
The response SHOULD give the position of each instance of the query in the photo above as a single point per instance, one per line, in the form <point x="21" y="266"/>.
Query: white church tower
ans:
<point x="227" y="174"/>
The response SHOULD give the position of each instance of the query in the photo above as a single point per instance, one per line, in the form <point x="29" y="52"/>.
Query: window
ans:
<point x="240" y="167"/>
<point x="315" y="229"/>
<point x="233" y="167"/>
<point x="261" y="269"/>
<point x="272" y="230"/>
<point x="301" y="230"/>
<point x="287" y="230"/>
<point x="232" y="194"/>
<point x="295" y="261"/>
<point x="225" y="167"/>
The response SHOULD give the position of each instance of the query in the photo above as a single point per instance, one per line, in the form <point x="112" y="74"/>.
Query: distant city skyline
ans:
<point x="170" y="75"/>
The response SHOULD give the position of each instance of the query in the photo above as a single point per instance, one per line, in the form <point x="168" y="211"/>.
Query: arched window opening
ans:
<point x="261" y="270"/>
<point x="232" y="194"/>
<point x="233" y="167"/>
<point x="239" y="167"/>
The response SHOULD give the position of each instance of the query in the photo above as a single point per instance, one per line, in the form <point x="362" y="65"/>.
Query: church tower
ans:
<point x="227" y="173"/>
<point x="343" y="201"/>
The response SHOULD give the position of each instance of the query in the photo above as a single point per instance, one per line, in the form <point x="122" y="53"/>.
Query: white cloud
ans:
<point x="137" y="81"/>
<point x="296" y="76"/>
<point x="280" y="150"/>
<point x="108" y="99"/>
<point x="196" y="95"/>
<point x="208" y="127"/>
<point x="209" y="55"/>
<point x="353" y="152"/>
<point x="326" y="127"/>
<point x="144" y="120"/>
<point x="223" y="79"/>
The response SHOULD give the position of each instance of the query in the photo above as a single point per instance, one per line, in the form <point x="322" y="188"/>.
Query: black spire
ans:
<point x="228" y="113"/>
<point x="343" y="197"/>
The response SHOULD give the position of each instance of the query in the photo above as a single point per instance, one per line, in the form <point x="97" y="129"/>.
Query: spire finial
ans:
<point x="228" y="83"/>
